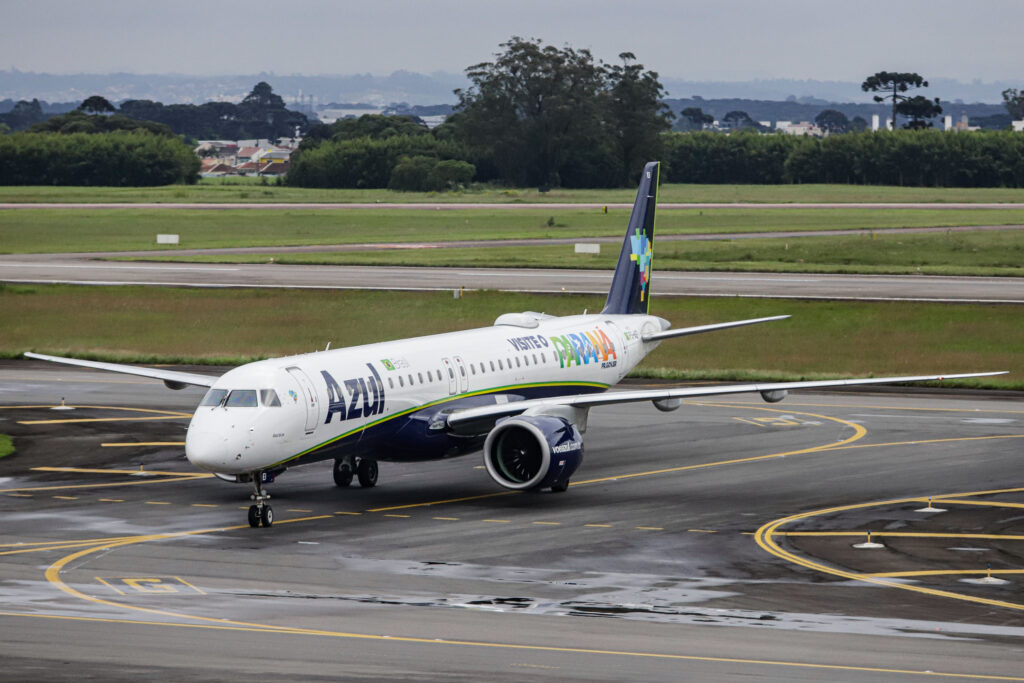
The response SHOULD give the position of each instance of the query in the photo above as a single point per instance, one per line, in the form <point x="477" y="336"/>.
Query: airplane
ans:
<point x="521" y="390"/>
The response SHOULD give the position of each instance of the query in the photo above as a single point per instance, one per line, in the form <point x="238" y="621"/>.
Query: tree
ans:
<point x="739" y="119"/>
<point x="919" y="109"/>
<point x="832" y="121"/>
<point x="893" y="83"/>
<point x="263" y="97"/>
<point x="637" y="116"/>
<point x="1013" y="100"/>
<point x="530" y="108"/>
<point x="23" y="115"/>
<point x="697" y="118"/>
<point x="97" y="105"/>
<point x="858" y="124"/>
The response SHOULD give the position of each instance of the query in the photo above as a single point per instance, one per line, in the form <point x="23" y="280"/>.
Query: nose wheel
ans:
<point x="260" y="512"/>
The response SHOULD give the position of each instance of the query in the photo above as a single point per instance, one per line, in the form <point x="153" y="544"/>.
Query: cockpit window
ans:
<point x="214" y="397"/>
<point x="241" y="398"/>
<point x="268" y="397"/>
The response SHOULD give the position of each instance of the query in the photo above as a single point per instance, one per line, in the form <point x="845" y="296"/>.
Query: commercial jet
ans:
<point x="521" y="390"/>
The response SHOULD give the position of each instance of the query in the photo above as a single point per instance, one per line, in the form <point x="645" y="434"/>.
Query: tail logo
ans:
<point x="642" y="255"/>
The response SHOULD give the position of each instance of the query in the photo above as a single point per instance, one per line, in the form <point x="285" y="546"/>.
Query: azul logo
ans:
<point x="365" y="396"/>
<point x="294" y="396"/>
<point x="584" y="347"/>
<point x="567" y="446"/>
<point x="642" y="255"/>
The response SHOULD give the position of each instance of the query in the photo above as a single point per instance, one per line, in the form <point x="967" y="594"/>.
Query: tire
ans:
<point x="560" y="486"/>
<point x="267" y="515"/>
<point x="367" y="472"/>
<point x="342" y="473"/>
<point x="254" y="516"/>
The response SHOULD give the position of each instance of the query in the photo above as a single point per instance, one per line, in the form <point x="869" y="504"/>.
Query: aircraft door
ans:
<point x="450" y="371"/>
<point x="309" y="397"/>
<point x="625" y="343"/>
<point x="463" y="375"/>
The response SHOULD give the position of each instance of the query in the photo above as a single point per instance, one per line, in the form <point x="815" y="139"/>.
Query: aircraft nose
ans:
<point x="207" y="450"/>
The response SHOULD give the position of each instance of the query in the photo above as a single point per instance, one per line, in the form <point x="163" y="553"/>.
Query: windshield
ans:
<point x="214" y="397"/>
<point x="268" y="397"/>
<point x="241" y="398"/>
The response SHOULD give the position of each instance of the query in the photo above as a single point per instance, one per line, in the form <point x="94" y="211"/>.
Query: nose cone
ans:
<point x="207" y="450"/>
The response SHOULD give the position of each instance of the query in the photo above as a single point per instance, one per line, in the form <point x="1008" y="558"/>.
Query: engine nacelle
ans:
<point x="533" y="452"/>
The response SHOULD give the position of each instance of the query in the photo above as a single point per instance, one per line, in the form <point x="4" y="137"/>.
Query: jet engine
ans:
<point x="533" y="452"/>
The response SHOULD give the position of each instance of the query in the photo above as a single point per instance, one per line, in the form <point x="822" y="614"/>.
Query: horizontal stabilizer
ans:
<point x="683" y="331"/>
<point x="170" y="377"/>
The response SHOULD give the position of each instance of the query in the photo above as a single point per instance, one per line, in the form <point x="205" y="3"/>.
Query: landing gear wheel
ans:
<point x="367" y="473"/>
<point x="342" y="473"/>
<point x="560" y="486"/>
<point x="267" y="515"/>
<point x="254" y="516"/>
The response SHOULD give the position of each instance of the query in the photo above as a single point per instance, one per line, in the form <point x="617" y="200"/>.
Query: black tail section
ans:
<point x="631" y="285"/>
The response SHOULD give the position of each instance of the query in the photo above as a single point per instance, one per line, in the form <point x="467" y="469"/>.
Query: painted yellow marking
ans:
<point x="703" y="531"/>
<point x="298" y="510"/>
<point x="20" y="495"/>
<point x="225" y="625"/>
<point x="548" y="523"/>
<point x="783" y="421"/>
<point x="149" y="585"/>
<point x="141" y="481"/>
<point x="79" y="420"/>
<point x="204" y="505"/>
<point x="650" y="528"/>
<point x="945" y="572"/>
<point x="142" y="443"/>
<point x="153" y="411"/>
<point x="156" y="502"/>
<point x="401" y="516"/>
<point x="749" y="422"/>
<point x="498" y="521"/>
<point x="85" y="470"/>
<point x="765" y="538"/>
<point x="442" y="502"/>
<point x="66" y="497"/>
<point x="110" y="586"/>
<point x="927" y="441"/>
<point x="342" y="512"/>
<point x="989" y="503"/>
<point x="447" y="519"/>
<point x="603" y="526"/>
<point x="111" y="500"/>
<point x="900" y="534"/>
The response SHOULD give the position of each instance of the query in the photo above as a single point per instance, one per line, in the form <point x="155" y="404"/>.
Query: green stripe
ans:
<point x="447" y="399"/>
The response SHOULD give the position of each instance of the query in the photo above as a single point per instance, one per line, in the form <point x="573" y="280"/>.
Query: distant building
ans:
<point x="1018" y="126"/>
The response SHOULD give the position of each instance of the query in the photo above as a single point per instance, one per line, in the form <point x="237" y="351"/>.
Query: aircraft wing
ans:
<point x="172" y="378"/>
<point x="684" y="331"/>
<point x="592" y="400"/>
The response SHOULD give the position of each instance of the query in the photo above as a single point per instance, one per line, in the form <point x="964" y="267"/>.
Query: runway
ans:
<point x="517" y="206"/>
<point x="712" y="543"/>
<point x="80" y="269"/>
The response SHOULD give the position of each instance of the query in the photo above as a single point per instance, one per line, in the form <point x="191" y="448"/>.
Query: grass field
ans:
<point x="963" y="253"/>
<point x="250" y="190"/>
<point x="59" y="230"/>
<point x="6" y="445"/>
<point x="823" y="339"/>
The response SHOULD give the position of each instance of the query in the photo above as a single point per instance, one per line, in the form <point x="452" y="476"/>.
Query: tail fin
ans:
<point x="631" y="285"/>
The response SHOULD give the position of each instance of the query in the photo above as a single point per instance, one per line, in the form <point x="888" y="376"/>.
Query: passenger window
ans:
<point x="419" y="376"/>
<point x="517" y="363"/>
<point x="534" y="359"/>
<point x="472" y="369"/>
<point x="241" y="398"/>
<point x="430" y="375"/>
<point x="526" y="359"/>
<point x="462" y="371"/>
<point x="451" y="375"/>
<point x="268" y="397"/>
<point x="391" y="383"/>
<point x="492" y="366"/>
<point x="401" y="383"/>
<point x="501" y="366"/>
<point x="410" y="381"/>
<point x="214" y="397"/>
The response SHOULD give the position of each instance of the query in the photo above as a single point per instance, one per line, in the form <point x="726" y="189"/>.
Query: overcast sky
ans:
<point x="731" y="40"/>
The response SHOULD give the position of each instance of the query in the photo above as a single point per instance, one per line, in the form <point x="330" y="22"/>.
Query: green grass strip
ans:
<point x="6" y="445"/>
<point x="822" y="339"/>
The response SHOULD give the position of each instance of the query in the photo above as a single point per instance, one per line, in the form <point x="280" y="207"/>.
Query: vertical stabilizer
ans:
<point x="631" y="285"/>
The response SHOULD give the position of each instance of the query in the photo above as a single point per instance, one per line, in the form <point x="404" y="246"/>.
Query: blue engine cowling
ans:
<point x="533" y="452"/>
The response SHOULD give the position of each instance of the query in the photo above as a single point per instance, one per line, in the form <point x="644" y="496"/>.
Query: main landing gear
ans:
<point x="362" y="468"/>
<point x="260" y="512"/>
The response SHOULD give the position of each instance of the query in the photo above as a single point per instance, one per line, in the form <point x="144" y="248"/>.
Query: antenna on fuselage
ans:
<point x="328" y="346"/>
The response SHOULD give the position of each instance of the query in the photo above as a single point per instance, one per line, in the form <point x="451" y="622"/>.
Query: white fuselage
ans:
<point x="377" y="400"/>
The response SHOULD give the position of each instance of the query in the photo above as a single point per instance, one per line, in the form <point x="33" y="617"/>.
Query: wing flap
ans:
<point x="170" y="377"/>
<point x="592" y="400"/>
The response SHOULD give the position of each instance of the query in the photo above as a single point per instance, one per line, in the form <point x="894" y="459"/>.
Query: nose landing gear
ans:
<point x="260" y="513"/>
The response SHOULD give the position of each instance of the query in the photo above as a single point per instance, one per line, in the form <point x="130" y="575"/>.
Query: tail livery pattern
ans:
<point x="631" y="285"/>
